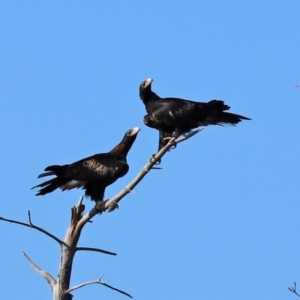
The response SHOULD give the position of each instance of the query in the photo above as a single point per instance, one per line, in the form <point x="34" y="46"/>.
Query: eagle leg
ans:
<point x="172" y="139"/>
<point x="100" y="206"/>
<point x="153" y="158"/>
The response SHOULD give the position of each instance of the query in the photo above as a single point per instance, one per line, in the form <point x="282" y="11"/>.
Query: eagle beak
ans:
<point x="148" y="82"/>
<point x="135" y="130"/>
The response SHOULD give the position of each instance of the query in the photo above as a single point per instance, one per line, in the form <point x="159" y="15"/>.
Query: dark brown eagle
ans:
<point x="93" y="173"/>
<point x="174" y="116"/>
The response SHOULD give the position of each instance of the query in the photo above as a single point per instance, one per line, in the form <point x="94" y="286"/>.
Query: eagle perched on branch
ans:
<point x="174" y="116"/>
<point x="93" y="173"/>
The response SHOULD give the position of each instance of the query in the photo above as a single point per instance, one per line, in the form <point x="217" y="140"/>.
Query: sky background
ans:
<point x="221" y="220"/>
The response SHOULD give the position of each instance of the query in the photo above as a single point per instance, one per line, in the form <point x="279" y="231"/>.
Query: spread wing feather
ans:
<point x="97" y="167"/>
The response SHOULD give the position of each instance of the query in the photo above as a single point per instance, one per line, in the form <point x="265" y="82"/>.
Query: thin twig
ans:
<point x="78" y="222"/>
<point x="76" y="287"/>
<point x="80" y="201"/>
<point x="31" y="225"/>
<point x="111" y="204"/>
<point x="98" y="281"/>
<point x="95" y="250"/>
<point x="43" y="273"/>
<point x="293" y="289"/>
<point x="115" y="289"/>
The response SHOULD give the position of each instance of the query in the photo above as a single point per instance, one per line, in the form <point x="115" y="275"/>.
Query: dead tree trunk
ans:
<point x="61" y="286"/>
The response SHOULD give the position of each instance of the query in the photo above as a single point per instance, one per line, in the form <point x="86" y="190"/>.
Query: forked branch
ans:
<point x="61" y="290"/>
<point x="98" y="281"/>
<point x="43" y="273"/>
<point x="31" y="225"/>
<point x="111" y="204"/>
<point x="293" y="289"/>
<point x="95" y="250"/>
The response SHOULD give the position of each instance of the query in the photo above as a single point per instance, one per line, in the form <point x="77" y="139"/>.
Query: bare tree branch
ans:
<point x="115" y="289"/>
<point x="98" y="281"/>
<point x="94" y="249"/>
<point x="80" y="201"/>
<point x="76" y="287"/>
<point x="293" y="289"/>
<point x="61" y="288"/>
<point x="111" y="204"/>
<point x="31" y="225"/>
<point x="43" y="273"/>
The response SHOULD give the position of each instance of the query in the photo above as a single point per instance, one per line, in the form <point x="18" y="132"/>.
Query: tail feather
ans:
<point x="53" y="170"/>
<point x="46" y="174"/>
<point x="218" y="105"/>
<point x="219" y="117"/>
<point x="54" y="183"/>
<point x="71" y="184"/>
<point x="49" y="186"/>
<point x="230" y="119"/>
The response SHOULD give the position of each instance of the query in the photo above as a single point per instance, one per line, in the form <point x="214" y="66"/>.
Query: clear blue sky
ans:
<point x="221" y="220"/>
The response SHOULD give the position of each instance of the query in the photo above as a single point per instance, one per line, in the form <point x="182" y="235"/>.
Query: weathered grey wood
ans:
<point x="61" y="286"/>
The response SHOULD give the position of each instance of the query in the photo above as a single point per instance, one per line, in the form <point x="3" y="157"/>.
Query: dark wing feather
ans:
<point x="93" y="173"/>
<point x="98" y="167"/>
<point x="170" y="110"/>
<point x="182" y="115"/>
<point x="175" y="116"/>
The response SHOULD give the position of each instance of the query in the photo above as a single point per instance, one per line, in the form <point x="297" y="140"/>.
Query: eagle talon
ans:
<point x="158" y="162"/>
<point x="172" y="140"/>
<point x="100" y="206"/>
<point x="174" y="145"/>
<point x="168" y="138"/>
<point x="113" y="205"/>
<point x="153" y="158"/>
